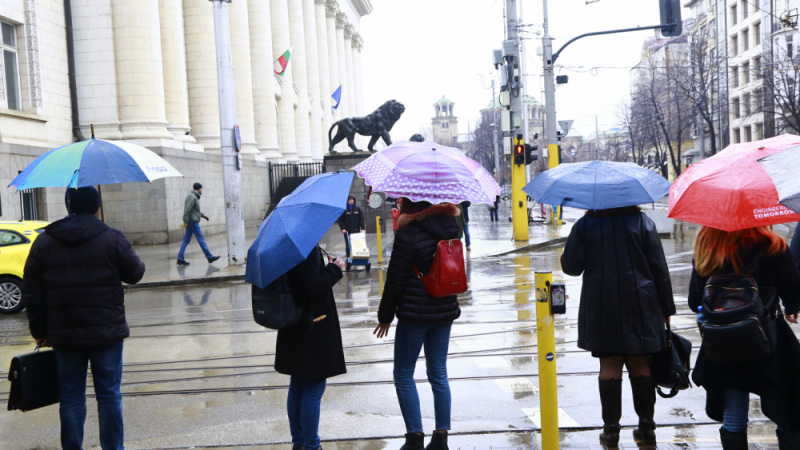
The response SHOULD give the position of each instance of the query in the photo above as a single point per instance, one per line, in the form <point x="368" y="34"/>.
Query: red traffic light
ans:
<point x="519" y="154"/>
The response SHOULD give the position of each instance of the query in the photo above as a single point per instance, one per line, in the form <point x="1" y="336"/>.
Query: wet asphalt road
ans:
<point x="198" y="370"/>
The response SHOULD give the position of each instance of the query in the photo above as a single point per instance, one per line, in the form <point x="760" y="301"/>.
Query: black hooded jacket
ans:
<point x="415" y="243"/>
<point x="73" y="283"/>
<point x="352" y="219"/>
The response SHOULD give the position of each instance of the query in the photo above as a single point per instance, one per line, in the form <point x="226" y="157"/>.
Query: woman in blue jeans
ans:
<point x="422" y="321"/>
<point x="311" y="350"/>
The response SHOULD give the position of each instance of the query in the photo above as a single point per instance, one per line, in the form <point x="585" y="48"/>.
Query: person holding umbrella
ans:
<point x="191" y="220"/>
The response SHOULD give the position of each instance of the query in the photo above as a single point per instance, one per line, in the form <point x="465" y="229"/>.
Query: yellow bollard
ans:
<point x="380" y="247"/>
<point x="546" y="339"/>
<point x="519" y="199"/>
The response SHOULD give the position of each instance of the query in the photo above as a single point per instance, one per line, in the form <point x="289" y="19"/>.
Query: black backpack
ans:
<point x="274" y="307"/>
<point x="737" y="327"/>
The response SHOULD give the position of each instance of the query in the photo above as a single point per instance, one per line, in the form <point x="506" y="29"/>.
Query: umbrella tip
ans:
<point x="761" y="148"/>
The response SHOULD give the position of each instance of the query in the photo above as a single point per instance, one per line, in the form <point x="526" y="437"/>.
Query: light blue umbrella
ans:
<point x="597" y="185"/>
<point x="299" y="221"/>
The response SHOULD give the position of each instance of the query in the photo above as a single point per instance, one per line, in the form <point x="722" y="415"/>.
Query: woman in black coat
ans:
<point x="626" y="297"/>
<point x="311" y="350"/>
<point x="762" y="253"/>
<point x="421" y="319"/>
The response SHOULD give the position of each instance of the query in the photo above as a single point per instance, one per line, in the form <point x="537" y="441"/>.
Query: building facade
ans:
<point x="444" y="124"/>
<point x="145" y="72"/>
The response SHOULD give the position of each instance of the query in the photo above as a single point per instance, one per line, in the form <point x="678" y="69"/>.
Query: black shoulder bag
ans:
<point x="670" y="367"/>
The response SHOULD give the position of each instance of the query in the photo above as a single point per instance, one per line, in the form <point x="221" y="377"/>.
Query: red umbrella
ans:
<point x="731" y="191"/>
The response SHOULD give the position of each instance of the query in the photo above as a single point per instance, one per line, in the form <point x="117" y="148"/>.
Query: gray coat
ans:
<point x="191" y="208"/>
<point x="626" y="286"/>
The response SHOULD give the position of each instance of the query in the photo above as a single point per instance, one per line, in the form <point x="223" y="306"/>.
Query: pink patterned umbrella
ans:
<point x="425" y="171"/>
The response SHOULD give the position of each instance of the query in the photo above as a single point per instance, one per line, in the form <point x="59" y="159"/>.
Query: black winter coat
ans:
<point x="352" y="220"/>
<point x="774" y="379"/>
<point x="415" y="243"/>
<point x="626" y="286"/>
<point x="312" y="350"/>
<point x="73" y="283"/>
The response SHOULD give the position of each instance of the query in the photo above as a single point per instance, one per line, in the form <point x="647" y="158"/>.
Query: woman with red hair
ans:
<point x="762" y="254"/>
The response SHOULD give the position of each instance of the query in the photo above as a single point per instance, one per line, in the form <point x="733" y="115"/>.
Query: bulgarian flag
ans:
<point x="283" y="62"/>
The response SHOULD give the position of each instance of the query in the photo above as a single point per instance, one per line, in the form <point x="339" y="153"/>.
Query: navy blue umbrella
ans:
<point x="597" y="185"/>
<point x="299" y="221"/>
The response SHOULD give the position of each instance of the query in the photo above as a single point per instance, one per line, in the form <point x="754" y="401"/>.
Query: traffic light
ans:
<point x="519" y="154"/>
<point x="529" y="156"/>
<point x="671" y="22"/>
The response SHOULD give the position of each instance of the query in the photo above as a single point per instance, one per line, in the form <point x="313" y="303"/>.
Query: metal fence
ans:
<point x="285" y="178"/>
<point x="29" y="204"/>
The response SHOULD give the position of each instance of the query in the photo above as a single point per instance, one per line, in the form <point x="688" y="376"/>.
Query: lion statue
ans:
<point x="377" y="125"/>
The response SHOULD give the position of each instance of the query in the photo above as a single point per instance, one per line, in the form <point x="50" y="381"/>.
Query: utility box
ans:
<point x="497" y="57"/>
<point x="505" y="121"/>
<point x="506" y="145"/>
<point x="558" y="298"/>
<point x="505" y="99"/>
<point x="509" y="48"/>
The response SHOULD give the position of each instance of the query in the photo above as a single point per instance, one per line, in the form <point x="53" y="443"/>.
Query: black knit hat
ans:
<point x="197" y="186"/>
<point x="85" y="200"/>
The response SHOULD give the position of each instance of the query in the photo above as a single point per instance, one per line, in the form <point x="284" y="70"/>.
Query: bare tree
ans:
<point x="482" y="149"/>
<point x="780" y="83"/>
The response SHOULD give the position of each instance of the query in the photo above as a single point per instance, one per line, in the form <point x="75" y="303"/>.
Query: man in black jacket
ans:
<point x="73" y="288"/>
<point x="351" y="221"/>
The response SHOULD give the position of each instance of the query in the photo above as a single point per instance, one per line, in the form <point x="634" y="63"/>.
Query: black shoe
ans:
<point x="786" y="441"/>
<point x="212" y="259"/>
<point x="611" y="402"/>
<point x="733" y="441"/>
<point x="182" y="262"/>
<point x="414" y="441"/>
<point x="438" y="441"/>
<point x="644" y="402"/>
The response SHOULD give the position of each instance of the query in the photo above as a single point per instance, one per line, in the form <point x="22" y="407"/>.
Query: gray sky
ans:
<point x="418" y="50"/>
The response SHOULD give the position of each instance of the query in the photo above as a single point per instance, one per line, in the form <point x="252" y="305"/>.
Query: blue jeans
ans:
<point x="466" y="233"/>
<point x="303" y="405"/>
<point x="409" y="339"/>
<point x="193" y="228"/>
<point x="493" y="215"/>
<point x="106" y="362"/>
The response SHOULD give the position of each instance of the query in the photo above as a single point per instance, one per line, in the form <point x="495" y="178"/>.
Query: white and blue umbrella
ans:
<point x="94" y="162"/>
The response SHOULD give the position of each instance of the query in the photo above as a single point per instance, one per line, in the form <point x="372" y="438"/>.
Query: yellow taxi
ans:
<point x="15" y="243"/>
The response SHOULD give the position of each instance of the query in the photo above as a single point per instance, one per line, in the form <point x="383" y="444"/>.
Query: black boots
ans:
<point x="611" y="401"/>
<point x="644" y="402"/>
<point x="787" y="441"/>
<point x="414" y="441"/>
<point x="438" y="441"/>
<point x="733" y="441"/>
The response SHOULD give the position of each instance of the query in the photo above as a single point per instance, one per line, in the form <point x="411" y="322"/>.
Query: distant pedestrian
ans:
<point x="421" y="319"/>
<point x="493" y="209"/>
<point x="465" y="216"/>
<point x="351" y="221"/>
<point x="625" y="300"/>
<point x="191" y="219"/>
<point x="311" y="350"/>
<point x="762" y="254"/>
<point x="73" y="288"/>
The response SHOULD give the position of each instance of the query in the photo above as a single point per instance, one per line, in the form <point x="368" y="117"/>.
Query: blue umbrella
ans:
<point x="299" y="221"/>
<point x="597" y="185"/>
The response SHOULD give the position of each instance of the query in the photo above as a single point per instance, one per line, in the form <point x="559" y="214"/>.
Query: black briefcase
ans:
<point x="34" y="381"/>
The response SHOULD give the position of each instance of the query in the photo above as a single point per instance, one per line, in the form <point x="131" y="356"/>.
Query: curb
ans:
<point x="529" y="247"/>
<point x="183" y="282"/>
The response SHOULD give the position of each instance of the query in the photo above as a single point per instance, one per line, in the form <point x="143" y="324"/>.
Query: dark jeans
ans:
<point x="106" y="376"/>
<point x="409" y="340"/>
<point x="303" y="405"/>
<point x="466" y="233"/>
<point x="346" y="244"/>
<point x="493" y="215"/>
<point x="193" y="228"/>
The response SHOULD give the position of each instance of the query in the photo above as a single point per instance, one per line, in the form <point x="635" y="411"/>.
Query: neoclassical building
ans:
<point x="444" y="124"/>
<point x="145" y="71"/>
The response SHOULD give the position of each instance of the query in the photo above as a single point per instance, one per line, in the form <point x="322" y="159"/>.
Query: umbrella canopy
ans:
<point x="731" y="191"/>
<point x="425" y="171"/>
<point x="299" y="221"/>
<point x="93" y="162"/>
<point x="597" y="185"/>
<point x="782" y="168"/>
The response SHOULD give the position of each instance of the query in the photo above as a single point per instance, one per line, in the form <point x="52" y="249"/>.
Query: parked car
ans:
<point x="16" y="239"/>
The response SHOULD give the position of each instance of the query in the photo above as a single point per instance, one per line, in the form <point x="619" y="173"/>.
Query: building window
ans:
<point x="29" y="204"/>
<point x="703" y="34"/>
<point x="789" y="47"/>
<point x="737" y="110"/>
<point x="735" y="76"/>
<point x="748" y="134"/>
<point x="759" y="131"/>
<point x="737" y="137"/>
<point x="745" y="73"/>
<point x="734" y="17"/>
<point x="757" y="67"/>
<point x="712" y="27"/>
<point x="746" y="104"/>
<point x="8" y="47"/>
<point x="734" y="46"/>
<point x="745" y="40"/>
<point x="757" y="34"/>
<point x="745" y="8"/>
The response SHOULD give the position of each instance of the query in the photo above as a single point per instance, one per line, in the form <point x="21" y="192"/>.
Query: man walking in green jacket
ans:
<point x="191" y="217"/>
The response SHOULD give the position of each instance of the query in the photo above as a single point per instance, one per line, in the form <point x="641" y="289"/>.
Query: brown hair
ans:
<point x="613" y="212"/>
<point x="714" y="248"/>
<point x="409" y="207"/>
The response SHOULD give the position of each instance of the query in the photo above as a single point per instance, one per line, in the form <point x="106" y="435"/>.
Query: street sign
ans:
<point x="375" y="200"/>
<point x="238" y="135"/>
<point x="565" y="125"/>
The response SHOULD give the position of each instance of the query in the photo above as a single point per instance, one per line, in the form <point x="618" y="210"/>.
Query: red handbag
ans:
<point x="447" y="276"/>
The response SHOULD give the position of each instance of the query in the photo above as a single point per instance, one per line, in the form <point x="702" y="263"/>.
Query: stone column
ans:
<point x="358" y="44"/>
<point x="261" y="60"/>
<point x="173" y="60"/>
<point x="348" y="58"/>
<point x="331" y="9"/>
<point x="344" y="106"/>
<point x="312" y="65"/>
<point x="140" y="77"/>
<point x="238" y="18"/>
<point x="324" y="71"/>
<point x="201" y="72"/>
<point x="302" y="123"/>
<point x="279" y="15"/>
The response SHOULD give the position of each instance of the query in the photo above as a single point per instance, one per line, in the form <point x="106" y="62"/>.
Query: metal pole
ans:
<point x="524" y="78"/>
<point x="596" y="140"/>
<point x="231" y="160"/>
<point x="380" y="247"/>
<point x="551" y="128"/>
<point x="494" y="135"/>
<point x="519" y="201"/>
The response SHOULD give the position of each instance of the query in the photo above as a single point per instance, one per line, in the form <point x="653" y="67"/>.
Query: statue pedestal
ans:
<point x="359" y="189"/>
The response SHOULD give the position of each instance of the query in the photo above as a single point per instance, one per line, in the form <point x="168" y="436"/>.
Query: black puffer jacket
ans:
<point x="626" y="286"/>
<point x="73" y="283"/>
<point x="415" y="244"/>
<point x="352" y="219"/>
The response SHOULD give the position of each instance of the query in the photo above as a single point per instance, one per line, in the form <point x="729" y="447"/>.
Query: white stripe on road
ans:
<point x="564" y="420"/>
